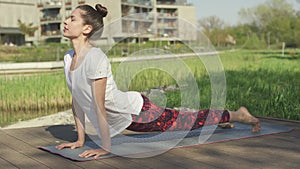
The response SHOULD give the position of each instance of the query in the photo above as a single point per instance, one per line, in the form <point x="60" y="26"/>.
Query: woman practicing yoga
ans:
<point x="111" y="111"/>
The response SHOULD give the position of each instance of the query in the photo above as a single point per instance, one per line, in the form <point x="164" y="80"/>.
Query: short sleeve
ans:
<point x="97" y="65"/>
<point x="67" y="64"/>
<point x="68" y="59"/>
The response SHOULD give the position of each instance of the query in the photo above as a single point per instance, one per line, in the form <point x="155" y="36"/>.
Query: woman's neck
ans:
<point x="79" y="45"/>
<point x="81" y="48"/>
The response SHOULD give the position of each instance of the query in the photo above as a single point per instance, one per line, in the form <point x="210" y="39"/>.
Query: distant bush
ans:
<point x="254" y="42"/>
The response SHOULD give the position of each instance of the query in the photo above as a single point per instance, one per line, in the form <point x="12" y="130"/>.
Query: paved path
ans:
<point x="30" y="67"/>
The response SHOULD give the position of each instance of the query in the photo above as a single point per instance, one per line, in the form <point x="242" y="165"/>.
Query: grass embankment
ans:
<point x="25" y="97"/>
<point x="51" y="52"/>
<point x="265" y="82"/>
<point x="55" y="52"/>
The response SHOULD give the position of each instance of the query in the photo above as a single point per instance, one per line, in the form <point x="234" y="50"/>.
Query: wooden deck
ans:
<point x="18" y="149"/>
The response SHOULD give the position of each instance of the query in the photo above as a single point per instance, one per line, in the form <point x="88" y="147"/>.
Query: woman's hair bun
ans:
<point x="101" y="9"/>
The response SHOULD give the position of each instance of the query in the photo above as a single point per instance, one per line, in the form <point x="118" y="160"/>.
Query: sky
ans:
<point x="227" y="10"/>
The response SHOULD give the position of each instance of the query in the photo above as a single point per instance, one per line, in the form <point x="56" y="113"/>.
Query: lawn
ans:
<point x="264" y="81"/>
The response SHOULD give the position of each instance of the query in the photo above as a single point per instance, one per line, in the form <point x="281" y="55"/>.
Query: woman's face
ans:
<point x="73" y="25"/>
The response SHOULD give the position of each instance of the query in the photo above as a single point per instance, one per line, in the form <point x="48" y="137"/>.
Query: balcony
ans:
<point x="81" y="2"/>
<point x="68" y="3"/>
<point x="50" y="4"/>
<point x="138" y="3"/>
<point x="169" y="25"/>
<point x="170" y="13"/>
<point x="40" y="5"/>
<point x="52" y="33"/>
<point x="167" y="15"/>
<point x="167" y="33"/>
<point x="51" y="19"/>
<point x="139" y="17"/>
<point x="173" y="2"/>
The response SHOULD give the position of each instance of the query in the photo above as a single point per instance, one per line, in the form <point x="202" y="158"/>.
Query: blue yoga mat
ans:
<point x="150" y="144"/>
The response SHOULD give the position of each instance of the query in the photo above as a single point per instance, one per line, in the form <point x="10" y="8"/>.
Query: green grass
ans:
<point x="55" y="52"/>
<point x="51" y="52"/>
<point x="265" y="82"/>
<point x="28" y="96"/>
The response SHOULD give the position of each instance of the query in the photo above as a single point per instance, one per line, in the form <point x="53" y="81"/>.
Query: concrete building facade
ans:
<point x="134" y="20"/>
<point x="10" y="12"/>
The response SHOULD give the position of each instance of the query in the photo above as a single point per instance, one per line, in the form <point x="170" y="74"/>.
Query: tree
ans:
<point x="273" y="21"/>
<point x="210" y="23"/>
<point x="27" y="29"/>
<point x="241" y="33"/>
<point x="212" y="27"/>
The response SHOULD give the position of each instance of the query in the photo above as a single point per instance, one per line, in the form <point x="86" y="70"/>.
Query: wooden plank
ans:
<point x="154" y="162"/>
<point x="217" y="155"/>
<point x="260" y="152"/>
<point x="273" y="151"/>
<point x="174" y="158"/>
<point x="123" y="162"/>
<point x="7" y="165"/>
<point x="50" y="134"/>
<point x="254" y="152"/>
<point x="59" y="134"/>
<point x="18" y="158"/>
<point x="44" y="138"/>
<point x="33" y="153"/>
<point x="246" y="156"/>
<point x="118" y="162"/>
<point x="96" y="164"/>
<point x="211" y="156"/>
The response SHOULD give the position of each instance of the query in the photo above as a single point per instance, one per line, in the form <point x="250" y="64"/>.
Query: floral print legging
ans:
<point x="155" y="118"/>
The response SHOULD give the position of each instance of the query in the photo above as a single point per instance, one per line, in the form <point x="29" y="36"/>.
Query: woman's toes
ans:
<point x="256" y="127"/>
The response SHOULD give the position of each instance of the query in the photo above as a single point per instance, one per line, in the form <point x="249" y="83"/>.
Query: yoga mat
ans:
<point x="144" y="145"/>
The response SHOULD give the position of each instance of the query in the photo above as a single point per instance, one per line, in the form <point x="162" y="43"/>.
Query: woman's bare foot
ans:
<point x="242" y="115"/>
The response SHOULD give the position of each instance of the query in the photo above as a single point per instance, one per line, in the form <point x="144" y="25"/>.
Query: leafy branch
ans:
<point x="27" y="29"/>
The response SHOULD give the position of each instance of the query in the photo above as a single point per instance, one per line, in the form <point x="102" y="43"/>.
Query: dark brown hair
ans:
<point x="93" y="17"/>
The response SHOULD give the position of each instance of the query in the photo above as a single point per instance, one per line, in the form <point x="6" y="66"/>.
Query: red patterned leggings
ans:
<point x="155" y="118"/>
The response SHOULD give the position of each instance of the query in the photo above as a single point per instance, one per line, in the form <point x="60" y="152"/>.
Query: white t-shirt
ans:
<point x="119" y="105"/>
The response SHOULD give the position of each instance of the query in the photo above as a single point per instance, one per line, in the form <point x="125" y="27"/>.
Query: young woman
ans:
<point x="95" y="94"/>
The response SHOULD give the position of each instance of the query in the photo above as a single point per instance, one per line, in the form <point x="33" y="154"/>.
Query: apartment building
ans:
<point x="157" y="19"/>
<point x="10" y="12"/>
<point x="134" y="20"/>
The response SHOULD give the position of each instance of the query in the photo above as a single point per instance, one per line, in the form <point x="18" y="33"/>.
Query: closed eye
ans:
<point x="72" y="18"/>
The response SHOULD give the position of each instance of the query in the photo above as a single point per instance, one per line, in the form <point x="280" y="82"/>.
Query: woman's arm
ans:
<point x="99" y="87"/>
<point x="80" y="123"/>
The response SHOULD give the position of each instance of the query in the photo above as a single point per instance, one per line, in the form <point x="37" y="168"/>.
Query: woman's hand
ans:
<point x="73" y="145"/>
<point x="95" y="152"/>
